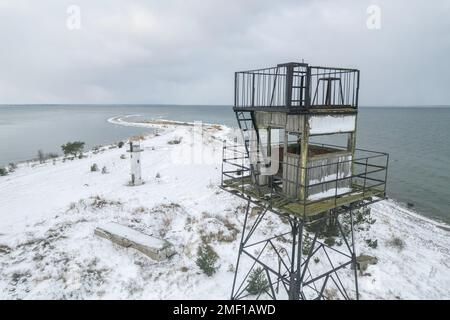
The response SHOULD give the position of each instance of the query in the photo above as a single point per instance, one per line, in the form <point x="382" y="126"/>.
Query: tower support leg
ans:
<point x="284" y="261"/>
<point x="241" y="245"/>
<point x="354" y="262"/>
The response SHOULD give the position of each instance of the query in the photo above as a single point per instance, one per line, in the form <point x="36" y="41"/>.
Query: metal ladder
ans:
<point x="299" y="90"/>
<point x="246" y="124"/>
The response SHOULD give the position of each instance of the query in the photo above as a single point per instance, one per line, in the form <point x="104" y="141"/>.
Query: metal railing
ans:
<point x="297" y="85"/>
<point x="367" y="177"/>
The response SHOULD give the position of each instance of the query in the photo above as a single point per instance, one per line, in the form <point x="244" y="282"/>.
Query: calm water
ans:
<point x="418" y="140"/>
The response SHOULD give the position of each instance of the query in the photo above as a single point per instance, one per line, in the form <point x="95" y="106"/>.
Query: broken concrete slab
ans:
<point x="155" y="248"/>
<point x="364" y="261"/>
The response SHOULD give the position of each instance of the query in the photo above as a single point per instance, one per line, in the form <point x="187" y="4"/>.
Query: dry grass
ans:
<point x="137" y="137"/>
<point x="227" y="231"/>
<point x="99" y="202"/>
<point x="331" y="294"/>
<point x="166" y="206"/>
<point x="140" y="210"/>
<point x="216" y="127"/>
<point x="396" y="242"/>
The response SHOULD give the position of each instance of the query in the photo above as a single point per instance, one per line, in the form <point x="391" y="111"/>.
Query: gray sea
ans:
<point x="417" y="139"/>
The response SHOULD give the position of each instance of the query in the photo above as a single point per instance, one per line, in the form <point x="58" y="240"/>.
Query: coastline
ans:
<point x="49" y="250"/>
<point x="157" y="124"/>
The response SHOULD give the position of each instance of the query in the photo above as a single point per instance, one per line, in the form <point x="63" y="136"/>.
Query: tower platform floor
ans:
<point x="310" y="209"/>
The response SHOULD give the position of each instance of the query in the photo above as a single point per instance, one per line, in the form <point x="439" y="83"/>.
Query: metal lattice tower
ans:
<point x="314" y="189"/>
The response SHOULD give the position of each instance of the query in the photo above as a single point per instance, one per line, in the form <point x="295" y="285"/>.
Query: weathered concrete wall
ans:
<point x="270" y="119"/>
<point x="325" y="124"/>
<point x="292" y="122"/>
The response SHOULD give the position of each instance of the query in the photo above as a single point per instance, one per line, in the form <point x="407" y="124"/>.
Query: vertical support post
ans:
<point x="355" y="104"/>
<point x="386" y="173"/>
<point x="224" y="146"/>
<point x="365" y="178"/>
<point x="302" y="86"/>
<point x="253" y="90"/>
<point x="299" y="259"/>
<point x="293" y="289"/>
<point x="297" y="175"/>
<point x="269" y="162"/>
<point x="236" y="89"/>
<point x="241" y="246"/>
<point x="286" y="184"/>
<point x="351" y="146"/>
<point x="308" y="87"/>
<point x="304" y="158"/>
<point x="242" y="173"/>
<point x="328" y="93"/>
<point x="354" y="262"/>
<point x="337" y="183"/>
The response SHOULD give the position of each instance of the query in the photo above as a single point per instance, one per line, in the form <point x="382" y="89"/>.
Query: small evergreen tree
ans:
<point x="12" y="167"/>
<point x="206" y="259"/>
<point x="257" y="281"/>
<point x="3" y="171"/>
<point x="41" y="156"/>
<point x="73" y="148"/>
<point x="94" y="167"/>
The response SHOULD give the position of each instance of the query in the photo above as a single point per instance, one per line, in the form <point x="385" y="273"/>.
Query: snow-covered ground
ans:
<point x="48" y="213"/>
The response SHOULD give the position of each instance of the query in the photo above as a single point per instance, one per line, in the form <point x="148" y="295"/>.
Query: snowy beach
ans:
<point x="49" y="211"/>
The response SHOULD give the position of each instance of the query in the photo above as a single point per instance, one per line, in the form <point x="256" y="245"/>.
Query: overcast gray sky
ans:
<point x="186" y="51"/>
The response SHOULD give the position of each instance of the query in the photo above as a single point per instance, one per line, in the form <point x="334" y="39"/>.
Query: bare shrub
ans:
<point x="166" y="224"/>
<point x="99" y="202"/>
<point x="331" y="294"/>
<point x="41" y="156"/>
<point x="176" y="140"/>
<point x="12" y="167"/>
<point x="397" y="243"/>
<point x="140" y="210"/>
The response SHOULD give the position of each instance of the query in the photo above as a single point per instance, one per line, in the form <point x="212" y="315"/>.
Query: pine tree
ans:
<point x="206" y="259"/>
<point x="257" y="282"/>
<point x="3" y="172"/>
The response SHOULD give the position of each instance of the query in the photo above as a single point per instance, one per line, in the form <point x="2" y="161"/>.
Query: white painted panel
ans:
<point x="322" y="124"/>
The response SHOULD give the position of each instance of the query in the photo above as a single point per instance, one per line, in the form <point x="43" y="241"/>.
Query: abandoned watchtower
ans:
<point x="299" y="159"/>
